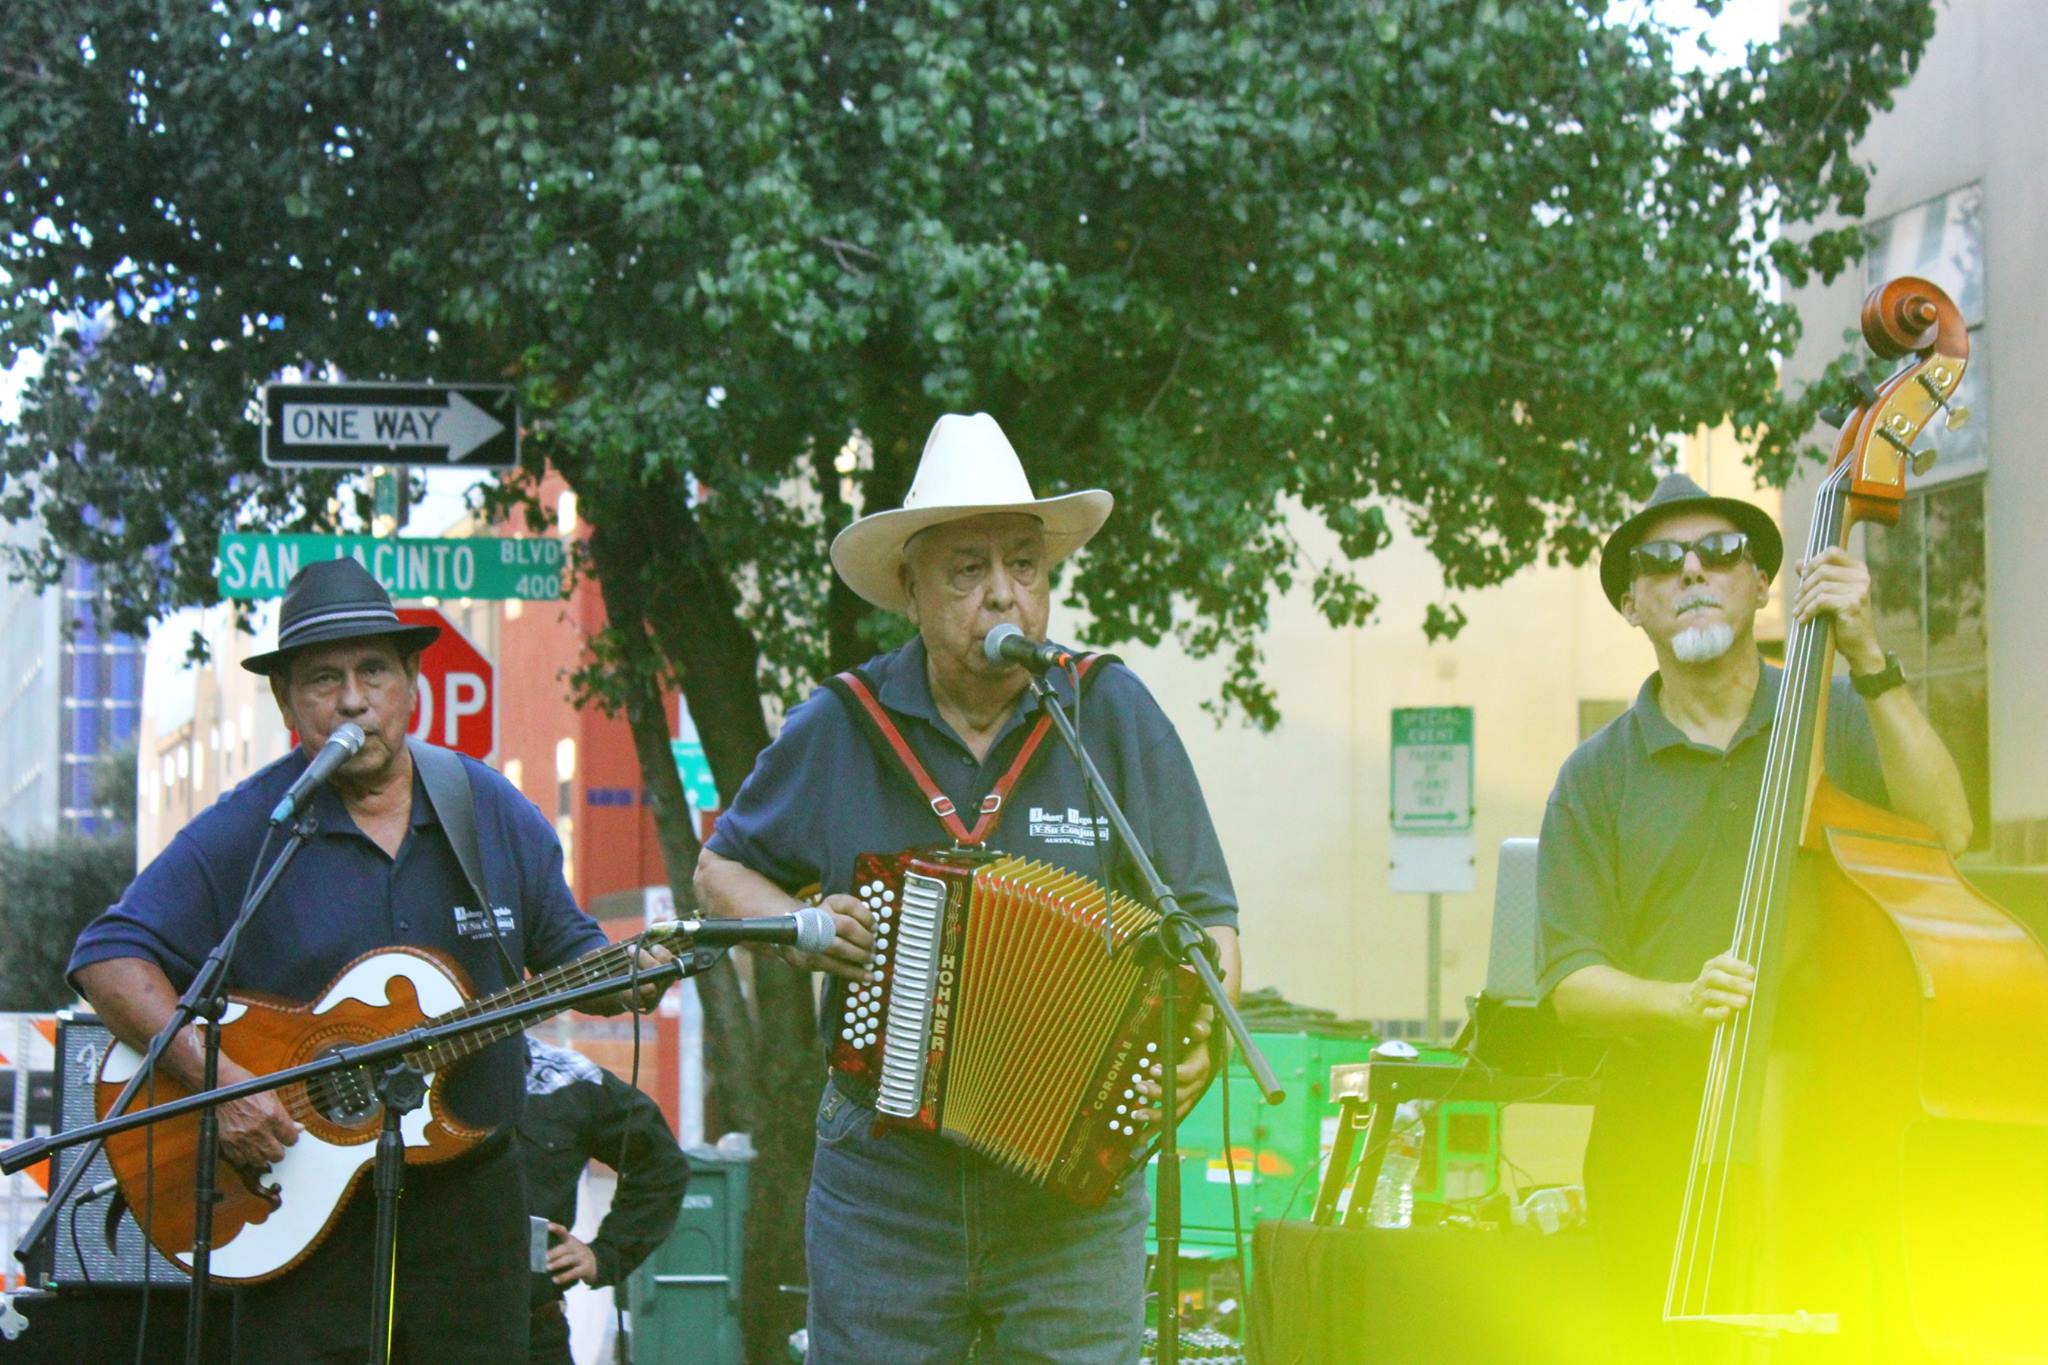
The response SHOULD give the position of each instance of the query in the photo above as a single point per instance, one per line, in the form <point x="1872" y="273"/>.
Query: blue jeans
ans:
<point x="918" y="1249"/>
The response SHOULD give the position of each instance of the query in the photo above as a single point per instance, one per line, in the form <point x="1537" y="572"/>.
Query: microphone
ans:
<point x="99" y="1191"/>
<point x="341" y="746"/>
<point x="1007" y="644"/>
<point x="810" y="929"/>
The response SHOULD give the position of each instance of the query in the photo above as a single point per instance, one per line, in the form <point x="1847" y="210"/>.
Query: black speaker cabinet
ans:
<point x="81" y="1248"/>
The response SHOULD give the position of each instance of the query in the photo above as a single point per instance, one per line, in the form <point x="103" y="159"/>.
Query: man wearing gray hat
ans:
<point x="1647" y="834"/>
<point x="379" y="870"/>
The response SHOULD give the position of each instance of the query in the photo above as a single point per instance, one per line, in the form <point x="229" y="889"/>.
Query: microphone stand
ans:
<point x="399" y="1081"/>
<point x="204" y="1001"/>
<point x="1181" y="938"/>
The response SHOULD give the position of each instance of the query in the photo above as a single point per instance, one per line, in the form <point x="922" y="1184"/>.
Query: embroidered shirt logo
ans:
<point x="1067" y="827"/>
<point x="471" y="923"/>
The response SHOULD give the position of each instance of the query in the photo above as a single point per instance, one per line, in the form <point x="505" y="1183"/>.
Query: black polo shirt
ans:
<point x="820" y="795"/>
<point x="342" y="896"/>
<point x="1640" y="866"/>
<point x="1647" y="834"/>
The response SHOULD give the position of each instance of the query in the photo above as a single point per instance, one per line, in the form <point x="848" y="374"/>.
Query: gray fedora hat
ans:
<point x="1677" y="493"/>
<point x="336" y="599"/>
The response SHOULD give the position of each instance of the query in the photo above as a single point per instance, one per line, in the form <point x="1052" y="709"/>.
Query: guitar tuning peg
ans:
<point x="1834" y="417"/>
<point x="1866" y="392"/>
<point x="1958" y="418"/>
<point x="1923" y="460"/>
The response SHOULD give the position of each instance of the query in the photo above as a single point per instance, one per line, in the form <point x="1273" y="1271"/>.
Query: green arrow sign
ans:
<point x="1430" y="775"/>
<point x="528" y="567"/>
<point x="695" y="770"/>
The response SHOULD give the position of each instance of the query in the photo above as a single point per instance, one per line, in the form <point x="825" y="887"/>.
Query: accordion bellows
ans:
<point x="1012" y="1012"/>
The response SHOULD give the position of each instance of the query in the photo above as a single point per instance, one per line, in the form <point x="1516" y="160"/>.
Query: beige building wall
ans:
<point x="1971" y="130"/>
<point x="204" y="727"/>
<point x="1303" y="811"/>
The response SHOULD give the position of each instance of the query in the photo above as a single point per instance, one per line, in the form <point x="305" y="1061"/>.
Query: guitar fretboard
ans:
<point x="616" y="960"/>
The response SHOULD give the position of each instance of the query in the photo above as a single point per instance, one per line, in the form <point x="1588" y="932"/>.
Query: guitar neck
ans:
<point x="615" y="960"/>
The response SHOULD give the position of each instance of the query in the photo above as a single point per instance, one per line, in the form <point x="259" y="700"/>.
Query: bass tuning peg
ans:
<point x="1957" y="418"/>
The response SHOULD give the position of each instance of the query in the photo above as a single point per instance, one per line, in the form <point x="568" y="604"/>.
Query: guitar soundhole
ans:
<point x="346" y="1097"/>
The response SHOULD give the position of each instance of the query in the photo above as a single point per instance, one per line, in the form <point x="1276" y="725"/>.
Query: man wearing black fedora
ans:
<point x="379" y="870"/>
<point x="1646" y="838"/>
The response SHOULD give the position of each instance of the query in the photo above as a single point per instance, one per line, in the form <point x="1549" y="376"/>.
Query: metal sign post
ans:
<point x="1430" y="806"/>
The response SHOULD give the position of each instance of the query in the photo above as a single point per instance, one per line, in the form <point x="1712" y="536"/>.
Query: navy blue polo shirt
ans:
<point x="342" y="896"/>
<point x="820" y="794"/>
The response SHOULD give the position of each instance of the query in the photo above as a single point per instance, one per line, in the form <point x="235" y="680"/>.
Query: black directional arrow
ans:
<point x="474" y="426"/>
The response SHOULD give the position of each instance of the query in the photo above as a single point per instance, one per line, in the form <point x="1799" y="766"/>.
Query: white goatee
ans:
<point x="1703" y="644"/>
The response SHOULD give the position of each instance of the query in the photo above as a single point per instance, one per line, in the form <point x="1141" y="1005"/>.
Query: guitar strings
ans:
<point x="613" y="960"/>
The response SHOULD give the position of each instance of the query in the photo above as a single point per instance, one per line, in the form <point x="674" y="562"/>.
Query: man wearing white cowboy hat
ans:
<point x="918" y="1248"/>
<point x="1646" y="839"/>
<point x="380" y="869"/>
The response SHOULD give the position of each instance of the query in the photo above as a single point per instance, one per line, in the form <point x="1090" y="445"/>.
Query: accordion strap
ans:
<point x="853" y="686"/>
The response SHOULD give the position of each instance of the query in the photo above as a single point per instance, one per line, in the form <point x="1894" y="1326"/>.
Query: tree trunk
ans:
<point x="638" y="673"/>
<point x="662" y="589"/>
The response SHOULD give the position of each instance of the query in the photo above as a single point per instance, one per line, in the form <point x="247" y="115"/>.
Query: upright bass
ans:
<point x="1869" y="1178"/>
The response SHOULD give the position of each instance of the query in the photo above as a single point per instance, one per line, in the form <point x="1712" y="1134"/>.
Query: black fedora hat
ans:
<point x="336" y="599"/>
<point x="1677" y="493"/>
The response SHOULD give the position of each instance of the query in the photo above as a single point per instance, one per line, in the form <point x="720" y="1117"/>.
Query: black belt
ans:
<point x="854" y="1089"/>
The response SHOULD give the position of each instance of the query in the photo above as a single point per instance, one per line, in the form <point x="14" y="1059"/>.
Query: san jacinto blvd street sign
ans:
<point x="471" y="426"/>
<point x="529" y="567"/>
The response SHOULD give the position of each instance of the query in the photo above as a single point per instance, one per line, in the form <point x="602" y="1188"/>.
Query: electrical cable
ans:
<point x="84" y="1272"/>
<point x="148" y="1215"/>
<point x="625" y="1147"/>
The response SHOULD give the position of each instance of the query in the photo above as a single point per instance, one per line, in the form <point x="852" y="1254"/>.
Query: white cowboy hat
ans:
<point x="968" y="469"/>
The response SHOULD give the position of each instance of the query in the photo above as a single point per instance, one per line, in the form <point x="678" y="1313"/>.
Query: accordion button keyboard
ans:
<point x="908" y="1027"/>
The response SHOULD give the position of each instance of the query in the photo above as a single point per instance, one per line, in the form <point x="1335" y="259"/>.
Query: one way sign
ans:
<point x="474" y="426"/>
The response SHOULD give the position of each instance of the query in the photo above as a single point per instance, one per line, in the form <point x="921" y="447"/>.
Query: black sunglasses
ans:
<point x="1716" y="551"/>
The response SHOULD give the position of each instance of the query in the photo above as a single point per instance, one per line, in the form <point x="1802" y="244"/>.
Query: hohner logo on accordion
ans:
<point x="1001" y="1016"/>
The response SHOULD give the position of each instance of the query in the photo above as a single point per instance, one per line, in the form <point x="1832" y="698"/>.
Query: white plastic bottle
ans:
<point x="1393" y="1196"/>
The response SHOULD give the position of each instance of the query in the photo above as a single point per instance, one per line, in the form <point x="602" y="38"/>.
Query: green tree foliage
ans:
<point x="1461" y="264"/>
<point x="1458" y="264"/>
<point x="50" y="888"/>
<point x="114" y="785"/>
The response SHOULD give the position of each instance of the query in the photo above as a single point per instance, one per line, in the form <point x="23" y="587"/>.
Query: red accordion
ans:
<point x="1013" y="1012"/>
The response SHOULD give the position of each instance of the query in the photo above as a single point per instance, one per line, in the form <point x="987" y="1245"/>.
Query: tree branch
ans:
<point x="840" y="248"/>
<point x="1187" y="339"/>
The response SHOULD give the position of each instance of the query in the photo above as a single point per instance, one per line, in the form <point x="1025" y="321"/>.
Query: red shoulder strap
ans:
<point x="854" y="687"/>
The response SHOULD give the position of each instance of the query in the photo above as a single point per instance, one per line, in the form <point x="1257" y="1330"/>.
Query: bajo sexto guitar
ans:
<point x="263" y="1226"/>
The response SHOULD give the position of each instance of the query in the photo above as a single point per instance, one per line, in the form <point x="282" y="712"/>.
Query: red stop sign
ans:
<point x="458" y="705"/>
